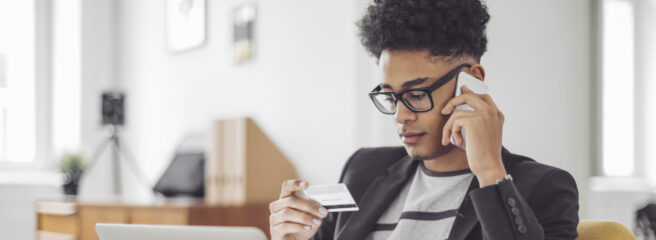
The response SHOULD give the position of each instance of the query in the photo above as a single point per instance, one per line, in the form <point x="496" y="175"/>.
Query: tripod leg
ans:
<point x="116" y="166"/>
<point x="95" y="157"/>
<point x="134" y="166"/>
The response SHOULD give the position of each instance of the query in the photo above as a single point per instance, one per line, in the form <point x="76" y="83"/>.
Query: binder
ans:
<point x="244" y="166"/>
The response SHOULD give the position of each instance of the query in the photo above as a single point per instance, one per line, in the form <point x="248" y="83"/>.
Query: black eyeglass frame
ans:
<point x="428" y="90"/>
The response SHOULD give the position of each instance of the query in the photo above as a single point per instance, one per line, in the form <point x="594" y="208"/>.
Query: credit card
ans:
<point x="333" y="197"/>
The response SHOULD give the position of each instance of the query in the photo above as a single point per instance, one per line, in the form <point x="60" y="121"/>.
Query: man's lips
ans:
<point x="411" y="138"/>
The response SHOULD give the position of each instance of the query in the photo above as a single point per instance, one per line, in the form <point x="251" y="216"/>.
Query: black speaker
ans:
<point x="185" y="176"/>
<point x="113" y="108"/>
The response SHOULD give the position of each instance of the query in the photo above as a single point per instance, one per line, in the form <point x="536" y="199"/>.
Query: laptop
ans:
<point x="107" y="231"/>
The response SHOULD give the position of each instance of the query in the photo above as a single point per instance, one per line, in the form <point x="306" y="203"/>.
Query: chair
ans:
<point x="602" y="230"/>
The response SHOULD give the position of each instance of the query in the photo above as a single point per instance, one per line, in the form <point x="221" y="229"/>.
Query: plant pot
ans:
<point x="70" y="186"/>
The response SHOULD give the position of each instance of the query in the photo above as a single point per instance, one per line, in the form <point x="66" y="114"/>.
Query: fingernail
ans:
<point x="323" y="211"/>
<point x="307" y="227"/>
<point x="302" y="184"/>
<point x="316" y="221"/>
<point x="445" y="110"/>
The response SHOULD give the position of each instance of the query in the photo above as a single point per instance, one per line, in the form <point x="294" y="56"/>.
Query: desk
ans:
<point x="75" y="219"/>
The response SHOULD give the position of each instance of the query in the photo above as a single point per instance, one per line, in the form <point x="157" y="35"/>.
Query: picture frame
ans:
<point x="244" y="18"/>
<point x="185" y="24"/>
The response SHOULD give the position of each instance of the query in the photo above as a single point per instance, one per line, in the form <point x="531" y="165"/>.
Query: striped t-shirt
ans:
<point x="426" y="206"/>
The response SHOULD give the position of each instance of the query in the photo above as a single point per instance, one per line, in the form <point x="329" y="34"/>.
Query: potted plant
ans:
<point x="72" y="166"/>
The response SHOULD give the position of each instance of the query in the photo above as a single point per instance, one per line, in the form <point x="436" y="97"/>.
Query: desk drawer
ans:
<point x="59" y="223"/>
<point x="90" y="215"/>
<point x="46" y="235"/>
<point x="170" y="216"/>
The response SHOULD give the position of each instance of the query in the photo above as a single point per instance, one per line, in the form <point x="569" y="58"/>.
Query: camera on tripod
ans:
<point x="113" y="116"/>
<point x="113" y="108"/>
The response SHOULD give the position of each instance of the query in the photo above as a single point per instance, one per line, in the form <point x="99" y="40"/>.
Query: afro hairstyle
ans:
<point x="451" y="28"/>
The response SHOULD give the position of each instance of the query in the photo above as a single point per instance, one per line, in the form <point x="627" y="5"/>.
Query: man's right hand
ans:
<point x="293" y="217"/>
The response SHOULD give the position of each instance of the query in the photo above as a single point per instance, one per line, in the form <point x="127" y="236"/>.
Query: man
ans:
<point x="431" y="189"/>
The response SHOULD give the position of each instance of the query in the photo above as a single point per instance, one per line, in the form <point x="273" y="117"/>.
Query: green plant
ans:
<point x="72" y="165"/>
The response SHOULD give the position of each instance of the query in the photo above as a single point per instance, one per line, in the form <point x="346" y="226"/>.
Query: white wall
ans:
<point x="98" y="75"/>
<point x="18" y="201"/>
<point x="645" y="88"/>
<point x="302" y="50"/>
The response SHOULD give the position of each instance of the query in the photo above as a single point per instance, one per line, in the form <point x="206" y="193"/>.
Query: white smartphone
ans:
<point x="477" y="86"/>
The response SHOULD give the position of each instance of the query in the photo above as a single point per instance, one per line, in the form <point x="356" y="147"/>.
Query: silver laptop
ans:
<point x="108" y="231"/>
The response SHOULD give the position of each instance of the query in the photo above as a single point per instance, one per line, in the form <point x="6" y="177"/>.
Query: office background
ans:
<point x="306" y="87"/>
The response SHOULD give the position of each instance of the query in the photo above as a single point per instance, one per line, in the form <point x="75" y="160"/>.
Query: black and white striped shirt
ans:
<point x="425" y="208"/>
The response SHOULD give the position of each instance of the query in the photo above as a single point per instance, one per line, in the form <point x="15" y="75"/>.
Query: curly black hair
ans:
<point x="451" y="28"/>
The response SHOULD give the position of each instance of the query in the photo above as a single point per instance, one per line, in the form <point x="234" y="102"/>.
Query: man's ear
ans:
<point x="477" y="71"/>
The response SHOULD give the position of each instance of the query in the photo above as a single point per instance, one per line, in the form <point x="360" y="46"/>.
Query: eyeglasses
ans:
<point x="416" y="99"/>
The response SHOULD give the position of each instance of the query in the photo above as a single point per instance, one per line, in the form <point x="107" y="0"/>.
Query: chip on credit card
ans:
<point x="333" y="197"/>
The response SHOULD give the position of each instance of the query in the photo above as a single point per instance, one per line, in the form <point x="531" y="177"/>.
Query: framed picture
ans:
<point x="244" y="24"/>
<point x="185" y="24"/>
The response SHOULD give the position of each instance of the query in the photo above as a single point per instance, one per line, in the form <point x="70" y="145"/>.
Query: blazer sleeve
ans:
<point x="327" y="229"/>
<point x="504" y="214"/>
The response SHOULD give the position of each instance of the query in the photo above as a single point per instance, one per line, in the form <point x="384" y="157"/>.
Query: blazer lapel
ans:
<point x="466" y="219"/>
<point x="376" y="199"/>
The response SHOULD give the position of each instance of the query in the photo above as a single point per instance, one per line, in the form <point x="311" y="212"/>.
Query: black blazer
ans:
<point x="540" y="203"/>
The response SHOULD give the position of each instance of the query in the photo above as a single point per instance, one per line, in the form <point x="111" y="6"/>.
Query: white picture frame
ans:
<point x="185" y="24"/>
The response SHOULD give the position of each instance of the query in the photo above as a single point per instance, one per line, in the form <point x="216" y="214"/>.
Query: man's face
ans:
<point x="421" y="133"/>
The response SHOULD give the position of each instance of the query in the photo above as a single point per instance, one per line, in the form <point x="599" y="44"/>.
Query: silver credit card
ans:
<point x="333" y="197"/>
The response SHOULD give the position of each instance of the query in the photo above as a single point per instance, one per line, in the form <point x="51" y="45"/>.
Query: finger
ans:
<point x="446" y="130"/>
<point x="285" y="228"/>
<point x="466" y="89"/>
<point x="485" y="97"/>
<point x="457" y="134"/>
<point x="291" y="186"/>
<point x="488" y="99"/>
<point x="467" y="98"/>
<point x="446" y="134"/>
<point x="298" y="203"/>
<point x="293" y="215"/>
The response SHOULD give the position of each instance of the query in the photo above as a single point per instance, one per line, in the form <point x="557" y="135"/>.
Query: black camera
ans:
<point x="113" y="108"/>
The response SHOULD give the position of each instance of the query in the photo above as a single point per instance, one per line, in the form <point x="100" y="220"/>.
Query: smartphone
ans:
<point x="475" y="85"/>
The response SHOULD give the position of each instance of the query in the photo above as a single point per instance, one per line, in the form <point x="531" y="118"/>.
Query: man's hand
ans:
<point x="484" y="127"/>
<point x="292" y="217"/>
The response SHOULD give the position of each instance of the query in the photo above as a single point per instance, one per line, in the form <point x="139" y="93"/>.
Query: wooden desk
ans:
<point x="73" y="219"/>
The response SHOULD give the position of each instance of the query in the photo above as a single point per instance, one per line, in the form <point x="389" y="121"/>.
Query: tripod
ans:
<point x="115" y="140"/>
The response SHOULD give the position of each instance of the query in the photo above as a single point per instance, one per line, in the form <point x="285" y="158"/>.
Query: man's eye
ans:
<point x="389" y="99"/>
<point x="417" y="96"/>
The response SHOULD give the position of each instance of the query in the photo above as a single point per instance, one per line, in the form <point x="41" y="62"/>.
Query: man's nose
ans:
<point x="404" y="114"/>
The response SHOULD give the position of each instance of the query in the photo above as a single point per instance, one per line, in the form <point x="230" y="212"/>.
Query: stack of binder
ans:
<point x="244" y="166"/>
